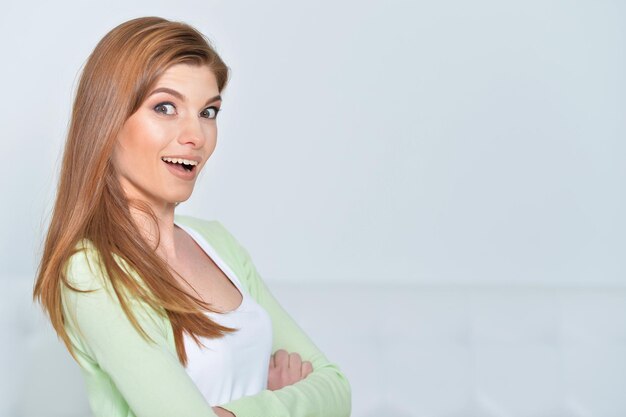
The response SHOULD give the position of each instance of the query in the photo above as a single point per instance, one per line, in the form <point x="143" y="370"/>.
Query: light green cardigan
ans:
<point x="128" y="376"/>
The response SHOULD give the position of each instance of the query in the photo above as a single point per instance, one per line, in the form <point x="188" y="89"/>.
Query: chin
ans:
<point x="179" y="198"/>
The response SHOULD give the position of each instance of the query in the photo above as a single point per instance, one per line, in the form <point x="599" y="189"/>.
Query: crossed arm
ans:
<point x="285" y="369"/>
<point x="146" y="379"/>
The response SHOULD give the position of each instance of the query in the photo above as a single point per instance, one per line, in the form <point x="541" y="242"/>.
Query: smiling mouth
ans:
<point x="181" y="164"/>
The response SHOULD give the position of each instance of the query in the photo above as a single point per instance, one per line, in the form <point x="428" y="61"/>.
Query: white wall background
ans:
<point x="431" y="142"/>
<point x="405" y="144"/>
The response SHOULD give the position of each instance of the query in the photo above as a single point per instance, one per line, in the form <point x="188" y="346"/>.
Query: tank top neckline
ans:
<point x="223" y="266"/>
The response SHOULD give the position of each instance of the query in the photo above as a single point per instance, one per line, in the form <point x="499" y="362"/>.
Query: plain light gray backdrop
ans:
<point x="389" y="142"/>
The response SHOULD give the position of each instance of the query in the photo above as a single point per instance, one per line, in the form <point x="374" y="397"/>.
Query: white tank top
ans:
<point x="235" y="365"/>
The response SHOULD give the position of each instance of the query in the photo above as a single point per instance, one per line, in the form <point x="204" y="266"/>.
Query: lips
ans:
<point x="186" y="163"/>
<point x="184" y="168"/>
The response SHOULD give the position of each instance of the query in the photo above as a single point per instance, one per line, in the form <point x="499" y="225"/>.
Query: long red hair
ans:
<point x="90" y="202"/>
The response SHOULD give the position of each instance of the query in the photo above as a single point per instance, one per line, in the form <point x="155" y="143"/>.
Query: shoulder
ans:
<point x="215" y="233"/>
<point x="226" y="245"/>
<point x="199" y="224"/>
<point x="83" y="268"/>
<point x="87" y="293"/>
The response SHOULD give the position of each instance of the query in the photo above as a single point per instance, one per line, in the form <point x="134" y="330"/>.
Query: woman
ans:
<point x="166" y="315"/>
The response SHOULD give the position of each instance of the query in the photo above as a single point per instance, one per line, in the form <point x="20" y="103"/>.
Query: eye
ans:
<point x="165" y="108"/>
<point x="210" y="112"/>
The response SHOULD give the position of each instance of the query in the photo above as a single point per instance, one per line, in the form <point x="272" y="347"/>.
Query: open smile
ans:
<point x="186" y="164"/>
<point x="181" y="167"/>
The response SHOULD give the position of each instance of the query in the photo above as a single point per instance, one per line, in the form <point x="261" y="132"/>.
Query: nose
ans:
<point x="192" y="132"/>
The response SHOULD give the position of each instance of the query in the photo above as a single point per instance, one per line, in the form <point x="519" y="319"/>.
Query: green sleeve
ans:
<point x="323" y="393"/>
<point x="131" y="377"/>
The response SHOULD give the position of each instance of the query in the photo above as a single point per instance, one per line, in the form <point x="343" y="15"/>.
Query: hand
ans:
<point x="286" y="369"/>
<point x="222" y="412"/>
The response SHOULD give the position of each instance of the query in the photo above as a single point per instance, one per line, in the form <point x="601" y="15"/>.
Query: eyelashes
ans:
<point x="169" y="109"/>
<point x="165" y="108"/>
<point x="210" y="112"/>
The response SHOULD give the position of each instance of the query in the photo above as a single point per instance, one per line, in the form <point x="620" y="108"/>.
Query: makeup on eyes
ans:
<point x="164" y="104"/>
<point x="216" y="109"/>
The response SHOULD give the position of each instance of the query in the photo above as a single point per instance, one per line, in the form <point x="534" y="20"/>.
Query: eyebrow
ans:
<point x="181" y="96"/>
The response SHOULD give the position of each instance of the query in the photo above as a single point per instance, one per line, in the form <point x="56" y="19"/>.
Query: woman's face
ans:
<point x="164" y="145"/>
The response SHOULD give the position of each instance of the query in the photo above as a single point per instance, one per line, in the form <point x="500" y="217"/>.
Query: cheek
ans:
<point x="124" y="157"/>
<point x="137" y="147"/>
<point x="210" y="134"/>
<point x="143" y="137"/>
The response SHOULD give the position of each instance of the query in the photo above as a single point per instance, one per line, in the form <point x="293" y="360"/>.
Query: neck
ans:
<point x="160" y="235"/>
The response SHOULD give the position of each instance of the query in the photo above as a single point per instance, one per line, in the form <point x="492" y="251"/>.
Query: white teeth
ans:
<point x="179" y="161"/>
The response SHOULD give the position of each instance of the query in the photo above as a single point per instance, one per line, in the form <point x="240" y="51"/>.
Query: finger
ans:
<point x="281" y="357"/>
<point x="273" y="379"/>
<point x="295" y="360"/>
<point x="307" y="368"/>
<point x="272" y="363"/>
<point x="295" y="368"/>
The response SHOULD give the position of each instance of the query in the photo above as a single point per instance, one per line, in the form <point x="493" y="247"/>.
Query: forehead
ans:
<point x="188" y="78"/>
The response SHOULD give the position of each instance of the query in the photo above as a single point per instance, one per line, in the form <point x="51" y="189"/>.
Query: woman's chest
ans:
<point x="203" y="277"/>
<point x="236" y="365"/>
